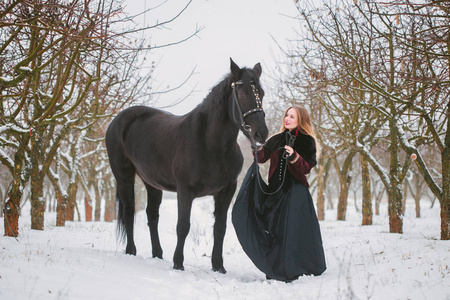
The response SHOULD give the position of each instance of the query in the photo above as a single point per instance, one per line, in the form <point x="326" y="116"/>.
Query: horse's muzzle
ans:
<point x="260" y="137"/>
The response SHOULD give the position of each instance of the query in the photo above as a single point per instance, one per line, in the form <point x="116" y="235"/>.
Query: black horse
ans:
<point x="194" y="155"/>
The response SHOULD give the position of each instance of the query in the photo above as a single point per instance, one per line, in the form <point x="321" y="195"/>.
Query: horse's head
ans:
<point x="246" y="102"/>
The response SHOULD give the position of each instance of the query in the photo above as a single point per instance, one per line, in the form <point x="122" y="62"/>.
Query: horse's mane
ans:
<point x="217" y="97"/>
<point x="215" y="102"/>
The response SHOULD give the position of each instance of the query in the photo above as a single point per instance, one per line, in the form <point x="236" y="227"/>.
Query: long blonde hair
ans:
<point x="305" y="125"/>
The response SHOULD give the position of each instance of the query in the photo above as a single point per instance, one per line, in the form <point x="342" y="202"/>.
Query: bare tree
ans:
<point x="64" y="68"/>
<point x="374" y="50"/>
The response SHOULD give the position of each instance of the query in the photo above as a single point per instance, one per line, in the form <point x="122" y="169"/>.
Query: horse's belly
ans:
<point x="158" y="178"/>
<point x="159" y="184"/>
<point x="205" y="181"/>
<point x="200" y="188"/>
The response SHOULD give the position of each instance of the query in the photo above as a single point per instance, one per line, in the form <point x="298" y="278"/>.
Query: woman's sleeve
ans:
<point x="299" y="165"/>
<point x="263" y="155"/>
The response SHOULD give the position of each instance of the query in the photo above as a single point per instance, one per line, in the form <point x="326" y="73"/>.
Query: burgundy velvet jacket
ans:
<point x="298" y="166"/>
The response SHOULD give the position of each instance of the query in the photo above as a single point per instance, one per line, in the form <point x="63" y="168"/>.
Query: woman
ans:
<point x="277" y="224"/>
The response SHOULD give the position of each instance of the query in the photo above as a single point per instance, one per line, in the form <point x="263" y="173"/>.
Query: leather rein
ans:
<point x="235" y="105"/>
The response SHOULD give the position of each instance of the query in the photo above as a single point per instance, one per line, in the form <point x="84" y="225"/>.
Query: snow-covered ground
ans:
<point x="84" y="261"/>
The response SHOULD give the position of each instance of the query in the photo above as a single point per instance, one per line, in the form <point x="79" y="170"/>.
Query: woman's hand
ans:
<point x="289" y="150"/>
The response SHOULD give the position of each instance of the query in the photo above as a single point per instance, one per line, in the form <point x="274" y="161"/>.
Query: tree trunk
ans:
<point x="60" y="209"/>
<point x="395" y="189"/>
<point x="378" y="194"/>
<point x="445" y="200"/>
<point x="37" y="200"/>
<point x="39" y="143"/>
<point x="432" y="202"/>
<point x="320" y="191"/>
<point x="61" y="197"/>
<point x="395" y="210"/>
<point x="49" y="202"/>
<point x="328" y="199"/>
<point x="345" y="179"/>
<point x="343" y="197"/>
<point x="12" y="211"/>
<point x="405" y="195"/>
<point x="110" y="210"/>
<point x="97" y="203"/>
<point x="88" y="207"/>
<point x="37" y="181"/>
<point x="417" y="200"/>
<point x="418" y="194"/>
<point x="72" y="194"/>
<point x="445" y="221"/>
<point x="55" y="203"/>
<point x="355" y="202"/>
<point x="1" y="203"/>
<point x="70" y="210"/>
<point x="12" y="204"/>
<point x="366" y="193"/>
<point x="378" y="199"/>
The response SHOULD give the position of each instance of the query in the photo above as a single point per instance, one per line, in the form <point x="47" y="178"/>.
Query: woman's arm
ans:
<point x="263" y="155"/>
<point x="298" y="164"/>
<point x="303" y="164"/>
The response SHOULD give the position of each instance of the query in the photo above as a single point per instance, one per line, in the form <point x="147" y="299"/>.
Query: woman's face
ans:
<point x="291" y="119"/>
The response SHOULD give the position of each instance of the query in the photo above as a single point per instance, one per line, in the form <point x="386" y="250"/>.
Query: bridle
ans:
<point x="236" y="105"/>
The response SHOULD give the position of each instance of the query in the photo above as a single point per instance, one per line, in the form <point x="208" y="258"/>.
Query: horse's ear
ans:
<point x="257" y="68"/>
<point x="235" y="70"/>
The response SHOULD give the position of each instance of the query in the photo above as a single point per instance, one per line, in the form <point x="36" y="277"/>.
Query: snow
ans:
<point x="84" y="261"/>
<point x="6" y="78"/>
<point x="44" y="95"/>
<point x="402" y="136"/>
<point x="383" y="171"/>
<point x="26" y="69"/>
<point x="5" y="156"/>
<point x="13" y="127"/>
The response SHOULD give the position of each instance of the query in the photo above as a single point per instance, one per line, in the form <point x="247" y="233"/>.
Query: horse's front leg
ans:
<point x="185" y="199"/>
<point x="222" y="202"/>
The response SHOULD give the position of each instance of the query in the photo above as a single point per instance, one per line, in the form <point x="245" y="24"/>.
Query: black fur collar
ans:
<point x="303" y="144"/>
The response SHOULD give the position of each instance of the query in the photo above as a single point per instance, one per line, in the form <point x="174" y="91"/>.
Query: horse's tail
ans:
<point x="120" y="229"/>
<point x="123" y="170"/>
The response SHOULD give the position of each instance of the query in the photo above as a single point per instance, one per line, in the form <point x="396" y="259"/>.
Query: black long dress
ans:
<point x="280" y="232"/>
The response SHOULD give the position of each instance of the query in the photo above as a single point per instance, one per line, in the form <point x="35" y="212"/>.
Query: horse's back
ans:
<point x="144" y="117"/>
<point x="142" y="138"/>
<point x="130" y="115"/>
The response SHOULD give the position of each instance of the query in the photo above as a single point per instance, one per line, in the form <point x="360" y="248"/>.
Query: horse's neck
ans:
<point x="221" y="132"/>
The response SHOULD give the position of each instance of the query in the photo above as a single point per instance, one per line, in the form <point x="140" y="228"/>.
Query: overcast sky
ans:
<point x="242" y="29"/>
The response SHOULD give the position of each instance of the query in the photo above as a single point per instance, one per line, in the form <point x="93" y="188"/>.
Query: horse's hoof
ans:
<point x="219" y="270"/>
<point x="131" y="251"/>
<point x="178" y="267"/>
<point x="157" y="254"/>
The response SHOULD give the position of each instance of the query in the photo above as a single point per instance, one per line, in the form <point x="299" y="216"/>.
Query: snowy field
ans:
<point x="84" y="261"/>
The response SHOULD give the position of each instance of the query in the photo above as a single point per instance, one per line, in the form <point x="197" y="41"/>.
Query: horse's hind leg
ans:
<point x="222" y="202"/>
<point x="125" y="193"/>
<point x="124" y="173"/>
<point x="154" y="197"/>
